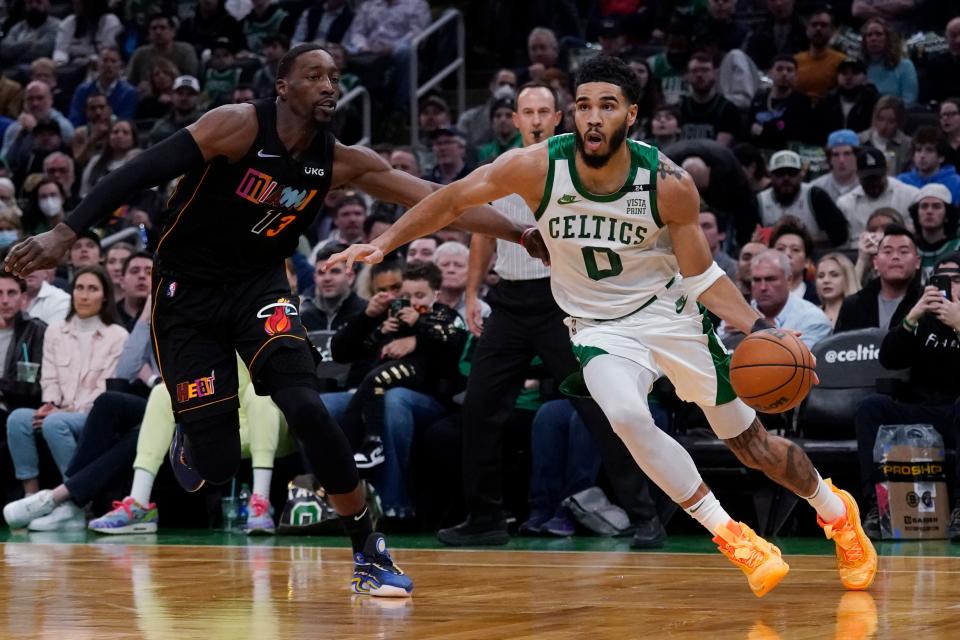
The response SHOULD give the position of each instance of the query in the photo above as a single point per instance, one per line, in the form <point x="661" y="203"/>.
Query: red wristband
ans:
<point x="524" y="235"/>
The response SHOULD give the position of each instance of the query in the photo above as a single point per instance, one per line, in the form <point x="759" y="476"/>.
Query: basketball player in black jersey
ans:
<point x="254" y="177"/>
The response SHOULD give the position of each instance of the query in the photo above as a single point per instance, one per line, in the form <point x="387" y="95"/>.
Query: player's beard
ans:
<point x="598" y="161"/>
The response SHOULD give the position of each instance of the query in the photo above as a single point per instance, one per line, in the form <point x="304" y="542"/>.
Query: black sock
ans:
<point x="359" y="527"/>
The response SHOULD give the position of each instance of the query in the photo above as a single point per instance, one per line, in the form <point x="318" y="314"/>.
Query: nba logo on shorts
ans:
<point x="171" y="289"/>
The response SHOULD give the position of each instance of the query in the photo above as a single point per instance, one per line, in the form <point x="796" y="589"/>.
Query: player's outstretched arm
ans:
<point x="514" y="172"/>
<point x="679" y="203"/>
<point x="219" y="132"/>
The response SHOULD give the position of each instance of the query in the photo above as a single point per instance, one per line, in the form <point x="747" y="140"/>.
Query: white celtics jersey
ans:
<point x="610" y="254"/>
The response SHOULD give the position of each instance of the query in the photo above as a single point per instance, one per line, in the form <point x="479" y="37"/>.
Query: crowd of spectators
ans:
<point x="824" y="142"/>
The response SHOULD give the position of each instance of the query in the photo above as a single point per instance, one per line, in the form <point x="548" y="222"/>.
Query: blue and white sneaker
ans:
<point x="375" y="574"/>
<point x="128" y="516"/>
<point x="189" y="479"/>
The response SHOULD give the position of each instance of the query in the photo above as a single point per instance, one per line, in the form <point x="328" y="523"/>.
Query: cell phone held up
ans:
<point x="942" y="282"/>
<point x="397" y="305"/>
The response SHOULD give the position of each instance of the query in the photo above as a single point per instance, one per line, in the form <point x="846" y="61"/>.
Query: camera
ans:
<point x="942" y="282"/>
<point x="397" y="305"/>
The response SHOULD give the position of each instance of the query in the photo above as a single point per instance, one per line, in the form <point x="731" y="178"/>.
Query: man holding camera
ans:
<point x="927" y="342"/>
<point x="416" y="345"/>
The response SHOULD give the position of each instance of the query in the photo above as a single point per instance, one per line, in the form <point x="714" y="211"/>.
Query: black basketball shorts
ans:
<point x="199" y="328"/>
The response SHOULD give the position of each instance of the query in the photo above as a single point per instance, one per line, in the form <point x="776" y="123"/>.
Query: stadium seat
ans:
<point x="848" y="365"/>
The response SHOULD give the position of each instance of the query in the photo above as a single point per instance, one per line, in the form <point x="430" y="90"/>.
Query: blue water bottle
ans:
<point x="244" y="504"/>
<point x="142" y="234"/>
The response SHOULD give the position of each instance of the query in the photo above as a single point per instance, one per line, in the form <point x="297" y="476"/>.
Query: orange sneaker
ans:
<point x="757" y="558"/>
<point x="856" y="557"/>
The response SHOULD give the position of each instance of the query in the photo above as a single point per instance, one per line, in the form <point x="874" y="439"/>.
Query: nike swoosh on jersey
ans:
<point x="266" y="155"/>
<point x="567" y="199"/>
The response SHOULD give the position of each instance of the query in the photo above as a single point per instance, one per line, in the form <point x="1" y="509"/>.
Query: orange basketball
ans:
<point x="772" y="371"/>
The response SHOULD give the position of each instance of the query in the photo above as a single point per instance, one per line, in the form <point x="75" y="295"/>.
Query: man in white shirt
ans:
<point x="45" y="301"/>
<point x="841" y="153"/>
<point x="876" y="190"/>
<point x="788" y="195"/>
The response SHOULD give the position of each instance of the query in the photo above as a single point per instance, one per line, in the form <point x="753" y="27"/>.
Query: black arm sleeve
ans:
<point x="828" y="216"/>
<point x="159" y="164"/>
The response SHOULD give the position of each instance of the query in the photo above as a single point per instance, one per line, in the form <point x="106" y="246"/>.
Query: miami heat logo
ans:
<point x="278" y="320"/>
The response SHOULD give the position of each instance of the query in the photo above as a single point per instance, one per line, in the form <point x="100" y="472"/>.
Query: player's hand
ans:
<point x="474" y="315"/>
<point x="378" y="304"/>
<point x="43" y="251"/>
<point x="390" y="325"/>
<point x="399" y="348"/>
<point x="535" y="246"/>
<point x="813" y="358"/>
<point x="408" y="316"/>
<point x="367" y="253"/>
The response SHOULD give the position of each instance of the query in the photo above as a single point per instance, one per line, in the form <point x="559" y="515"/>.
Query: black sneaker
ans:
<point x="370" y="454"/>
<point x="871" y="523"/>
<point x="472" y="533"/>
<point x="650" y="534"/>
<point x="953" y="530"/>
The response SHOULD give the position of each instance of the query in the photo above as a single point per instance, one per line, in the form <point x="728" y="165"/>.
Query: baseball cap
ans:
<point x="449" y="131"/>
<point x="871" y="162"/>
<point x="186" y="81"/>
<point x="436" y="101"/>
<point x="610" y="27"/>
<point x="223" y="42"/>
<point x="785" y="160"/>
<point x="502" y="103"/>
<point x="934" y="190"/>
<point x="852" y="64"/>
<point x="842" y="138"/>
<point x="91" y="234"/>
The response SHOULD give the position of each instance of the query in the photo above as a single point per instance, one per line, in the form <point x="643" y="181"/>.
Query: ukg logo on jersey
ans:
<point x="260" y="188"/>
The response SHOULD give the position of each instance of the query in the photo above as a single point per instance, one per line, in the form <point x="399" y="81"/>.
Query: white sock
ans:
<point x="142" y="486"/>
<point x="828" y="505"/>
<point x="709" y="512"/>
<point x="261" y="482"/>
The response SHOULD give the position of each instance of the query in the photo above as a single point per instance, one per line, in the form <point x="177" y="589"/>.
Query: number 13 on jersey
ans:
<point x="267" y="222"/>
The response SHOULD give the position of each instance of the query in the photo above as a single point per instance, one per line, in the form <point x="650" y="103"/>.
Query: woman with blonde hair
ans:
<point x="836" y="279"/>
<point x="887" y="69"/>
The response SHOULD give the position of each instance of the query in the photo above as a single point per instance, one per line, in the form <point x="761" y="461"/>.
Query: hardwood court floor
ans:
<point x="266" y="589"/>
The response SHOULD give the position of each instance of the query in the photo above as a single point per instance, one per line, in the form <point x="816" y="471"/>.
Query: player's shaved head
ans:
<point x="290" y="57"/>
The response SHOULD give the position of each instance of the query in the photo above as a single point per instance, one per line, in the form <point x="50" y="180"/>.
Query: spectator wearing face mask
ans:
<point x="10" y="229"/>
<point x="45" y="210"/>
<point x="475" y="122"/>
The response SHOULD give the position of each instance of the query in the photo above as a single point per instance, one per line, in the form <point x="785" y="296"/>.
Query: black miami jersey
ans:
<point x="230" y="221"/>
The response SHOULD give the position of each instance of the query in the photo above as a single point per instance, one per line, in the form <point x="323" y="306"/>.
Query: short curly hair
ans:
<point x="603" y="68"/>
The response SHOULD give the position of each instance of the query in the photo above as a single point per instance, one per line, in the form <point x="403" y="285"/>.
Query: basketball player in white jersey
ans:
<point x="630" y="266"/>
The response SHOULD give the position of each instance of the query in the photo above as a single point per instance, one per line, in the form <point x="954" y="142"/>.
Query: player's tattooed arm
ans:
<point x="668" y="168"/>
